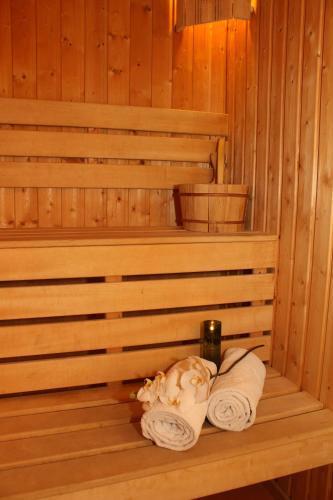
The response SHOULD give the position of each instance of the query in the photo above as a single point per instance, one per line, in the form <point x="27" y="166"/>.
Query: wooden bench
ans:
<point x="85" y="313"/>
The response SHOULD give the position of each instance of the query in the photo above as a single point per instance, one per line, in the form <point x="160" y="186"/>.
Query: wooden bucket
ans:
<point x="214" y="208"/>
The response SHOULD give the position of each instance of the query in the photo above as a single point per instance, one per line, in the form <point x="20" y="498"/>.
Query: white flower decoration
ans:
<point x="186" y="384"/>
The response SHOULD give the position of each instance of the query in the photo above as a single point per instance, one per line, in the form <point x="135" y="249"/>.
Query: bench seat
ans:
<point x="86" y="444"/>
<point x="86" y="313"/>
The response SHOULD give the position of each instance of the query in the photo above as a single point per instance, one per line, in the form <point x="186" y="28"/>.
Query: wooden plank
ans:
<point x="219" y="62"/>
<point x="240" y="102"/>
<point x="162" y="473"/>
<point x="118" y="51"/>
<point x="251" y="122"/>
<point x="289" y="181"/>
<point x="264" y="116"/>
<point x="46" y="263"/>
<point x="182" y="81"/>
<point x="44" y="444"/>
<point x="115" y="392"/>
<point x="72" y="88"/>
<point x="73" y="114"/>
<point x="73" y="145"/>
<point x="23" y="17"/>
<point x="119" y="40"/>
<point x="277" y="113"/>
<point x="101" y="368"/>
<point x="95" y="91"/>
<point x="119" y="236"/>
<point x="6" y="82"/>
<point x="95" y="53"/>
<point x="319" y="301"/>
<point x="162" y="54"/>
<point x="48" y="87"/>
<point x="138" y="207"/>
<point x="141" y="52"/>
<point x="202" y="66"/>
<point x="27" y="340"/>
<point x="94" y="298"/>
<point x="7" y="200"/>
<point x="230" y="99"/>
<point x="307" y="185"/>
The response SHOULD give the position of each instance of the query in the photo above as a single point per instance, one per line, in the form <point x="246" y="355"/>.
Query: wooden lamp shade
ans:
<point x="191" y="12"/>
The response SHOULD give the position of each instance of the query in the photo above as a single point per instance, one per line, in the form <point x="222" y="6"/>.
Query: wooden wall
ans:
<point x="119" y="52"/>
<point x="294" y="165"/>
<point x="273" y="75"/>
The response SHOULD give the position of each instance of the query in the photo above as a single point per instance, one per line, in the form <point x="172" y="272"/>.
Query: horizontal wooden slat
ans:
<point x="98" y="236"/>
<point x="45" y="263"/>
<point x="291" y="444"/>
<point x="93" y="298"/>
<point x="19" y="174"/>
<point x="70" y="114"/>
<point x="73" y="145"/>
<point x="83" y="433"/>
<point x="95" y="369"/>
<point x="114" y="392"/>
<point x="54" y="422"/>
<point x="27" y="340"/>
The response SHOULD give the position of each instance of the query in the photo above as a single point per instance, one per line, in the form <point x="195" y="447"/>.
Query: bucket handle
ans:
<point x="218" y="161"/>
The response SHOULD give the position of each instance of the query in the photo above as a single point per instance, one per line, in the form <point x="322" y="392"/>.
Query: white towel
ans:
<point x="176" y="403"/>
<point x="235" y="395"/>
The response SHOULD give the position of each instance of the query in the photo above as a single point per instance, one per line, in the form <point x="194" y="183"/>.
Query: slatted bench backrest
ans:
<point x="59" y="315"/>
<point x="177" y="146"/>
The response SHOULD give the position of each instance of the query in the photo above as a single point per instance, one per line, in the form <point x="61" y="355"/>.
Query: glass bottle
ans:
<point x="211" y="342"/>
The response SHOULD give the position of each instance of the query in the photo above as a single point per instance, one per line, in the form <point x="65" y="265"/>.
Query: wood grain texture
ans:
<point x="72" y="89"/>
<point x="44" y="301"/>
<point x="7" y="197"/>
<point x="89" y="59"/>
<point x="102" y="476"/>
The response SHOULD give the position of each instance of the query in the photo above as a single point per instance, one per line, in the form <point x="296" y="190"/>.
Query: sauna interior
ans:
<point x="99" y="281"/>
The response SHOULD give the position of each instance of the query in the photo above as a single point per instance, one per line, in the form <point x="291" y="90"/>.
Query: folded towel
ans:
<point x="176" y="403"/>
<point x="235" y="395"/>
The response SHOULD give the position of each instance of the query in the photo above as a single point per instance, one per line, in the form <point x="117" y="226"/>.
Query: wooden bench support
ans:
<point x="85" y="442"/>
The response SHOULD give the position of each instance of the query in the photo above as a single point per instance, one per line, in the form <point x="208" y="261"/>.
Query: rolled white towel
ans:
<point x="234" y="396"/>
<point x="176" y="403"/>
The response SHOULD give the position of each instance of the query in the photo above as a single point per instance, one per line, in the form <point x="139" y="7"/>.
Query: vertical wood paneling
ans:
<point x="48" y="87"/>
<point x="303" y="342"/>
<point x="202" y="67"/>
<point x="119" y="30"/>
<point x="307" y="182"/>
<point x="182" y="76"/>
<point x="264" y="117"/>
<point x="72" y="89"/>
<point x="23" y="16"/>
<point x="7" y="200"/>
<point x="118" y="51"/>
<point x="289" y="179"/>
<point x="161" y="202"/>
<point x="323" y="234"/>
<point x="162" y="54"/>
<point x="240" y="102"/>
<point x="230" y="100"/>
<point x="251" y="110"/>
<point x="219" y="67"/>
<point x="277" y="114"/>
<point x="121" y="52"/>
<point x="141" y="53"/>
<point x="96" y="89"/>
<point x="6" y="59"/>
<point x="140" y="90"/>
